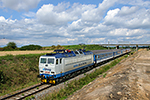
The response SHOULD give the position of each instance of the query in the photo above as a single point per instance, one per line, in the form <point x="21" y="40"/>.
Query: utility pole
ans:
<point x="108" y="44"/>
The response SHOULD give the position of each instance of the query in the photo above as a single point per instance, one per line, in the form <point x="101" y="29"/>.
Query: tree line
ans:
<point x="11" y="46"/>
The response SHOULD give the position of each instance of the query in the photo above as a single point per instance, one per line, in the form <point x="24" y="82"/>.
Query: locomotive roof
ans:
<point x="64" y="54"/>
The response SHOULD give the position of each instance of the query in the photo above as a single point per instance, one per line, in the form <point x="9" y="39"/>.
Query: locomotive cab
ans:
<point x="47" y="65"/>
<point x="48" y="68"/>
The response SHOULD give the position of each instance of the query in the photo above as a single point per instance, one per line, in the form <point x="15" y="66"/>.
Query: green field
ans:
<point x="87" y="47"/>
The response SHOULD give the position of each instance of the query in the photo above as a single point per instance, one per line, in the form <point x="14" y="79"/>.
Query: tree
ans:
<point x="12" y="45"/>
<point x="31" y="47"/>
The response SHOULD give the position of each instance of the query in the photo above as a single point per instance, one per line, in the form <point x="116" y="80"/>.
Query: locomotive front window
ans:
<point x="81" y="52"/>
<point x="43" y="60"/>
<point x="50" y="61"/>
<point x="76" y="52"/>
<point x="56" y="61"/>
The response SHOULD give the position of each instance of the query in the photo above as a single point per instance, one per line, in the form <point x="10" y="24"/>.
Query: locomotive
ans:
<point x="57" y="66"/>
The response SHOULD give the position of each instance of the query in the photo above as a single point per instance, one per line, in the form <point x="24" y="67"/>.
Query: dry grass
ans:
<point x="3" y="53"/>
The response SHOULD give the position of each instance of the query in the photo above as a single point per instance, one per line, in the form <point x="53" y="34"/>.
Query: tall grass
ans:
<point x="78" y="84"/>
<point x="17" y="72"/>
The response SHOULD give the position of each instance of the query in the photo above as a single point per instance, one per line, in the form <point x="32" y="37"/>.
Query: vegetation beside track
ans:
<point x="17" y="72"/>
<point x="78" y="84"/>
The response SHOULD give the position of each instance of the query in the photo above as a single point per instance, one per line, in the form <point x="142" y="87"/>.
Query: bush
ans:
<point x="12" y="45"/>
<point x="53" y="47"/>
<point x="7" y="48"/>
<point x="2" y="77"/>
<point x="1" y="49"/>
<point x="31" y="47"/>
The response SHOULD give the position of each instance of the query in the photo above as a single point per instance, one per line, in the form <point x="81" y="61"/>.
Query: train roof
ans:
<point x="66" y="53"/>
<point x="105" y="51"/>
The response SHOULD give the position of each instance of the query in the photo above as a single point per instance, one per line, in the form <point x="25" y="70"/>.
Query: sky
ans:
<point x="69" y="22"/>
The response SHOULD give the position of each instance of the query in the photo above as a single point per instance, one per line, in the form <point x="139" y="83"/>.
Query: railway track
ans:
<point x="26" y="92"/>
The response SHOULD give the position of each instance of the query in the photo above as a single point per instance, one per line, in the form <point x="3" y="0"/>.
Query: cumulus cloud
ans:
<point x="47" y="15"/>
<point x="63" y="13"/>
<point x="29" y="15"/>
<point x="2" y="19"/>
<point x="129" y="17"/>
<point x="20" y="5"/>
<point x="139" y="3"/>
<point x="67" y="23"/>
<point x="125" y="10"/>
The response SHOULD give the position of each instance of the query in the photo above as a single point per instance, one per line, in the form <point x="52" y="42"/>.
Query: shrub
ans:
<point x="2" y="77"/>
<point x="53" y="47"/>
<point x="31" y="47"/>
<point x="8" y="48"/>
<point x="1" y="49"/>
<point x="12" y="45"/>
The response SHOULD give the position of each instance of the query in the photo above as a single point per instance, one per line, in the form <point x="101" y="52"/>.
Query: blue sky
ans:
<point x="53" y="22"/>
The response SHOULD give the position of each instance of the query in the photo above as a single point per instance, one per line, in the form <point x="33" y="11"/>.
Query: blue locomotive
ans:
<point x="54" y="67"/>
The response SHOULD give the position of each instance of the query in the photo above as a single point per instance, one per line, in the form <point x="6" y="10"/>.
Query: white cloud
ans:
<point x="2" y="19"/>
<point x="140" y="3"/>
<point x="30" y="14"/>
<point x="111" y="16"/>
<point x="63" y="13"/>
<point x="125" y="10"/>
<point x="78" y="23"/>
<point x="20" y="5"/>
<point x="131" y="18"/>
<point x="47" y="15"/>
<point x="3" y="41"/>
<point x="127" y="32"/>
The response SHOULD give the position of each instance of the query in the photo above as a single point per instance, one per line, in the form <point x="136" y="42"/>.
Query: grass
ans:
<point x="78" y="84"/>
<point x="87" y="47"/>
<point x="104" y="75"/>
<point x="17" y="72"/>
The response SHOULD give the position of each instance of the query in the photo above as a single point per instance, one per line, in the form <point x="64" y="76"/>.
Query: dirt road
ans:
<point x="128" y="80"/>
<point x="3" y="53"/>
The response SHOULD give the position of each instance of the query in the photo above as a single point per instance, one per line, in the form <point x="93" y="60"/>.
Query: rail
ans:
<point x="26" y="92"/>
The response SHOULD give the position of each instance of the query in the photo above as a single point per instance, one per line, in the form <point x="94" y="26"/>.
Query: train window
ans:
<point x="66" y="55"/>
<point x="43" y="60"/>
<point x="50" y="60"/>
<point x="56" y="61"/>
<point x="81" y="52"/>
<point x="100" y="56"/>
<point x="76" y="52"/>
<point x="96" y="56"/>
<point x="60" y="61"/>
